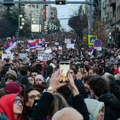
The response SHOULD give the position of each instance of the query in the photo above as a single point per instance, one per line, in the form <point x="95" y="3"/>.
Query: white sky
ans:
<point x="66" y="11"/>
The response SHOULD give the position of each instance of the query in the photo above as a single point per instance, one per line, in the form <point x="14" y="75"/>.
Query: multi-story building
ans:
<point x="110" y="13"/>
<point x="118" y="13"/>
<point x="34" y="13"/>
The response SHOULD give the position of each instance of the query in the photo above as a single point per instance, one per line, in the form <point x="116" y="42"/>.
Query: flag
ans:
<point x="33" y="43"/>
<point x="10" y="44"/>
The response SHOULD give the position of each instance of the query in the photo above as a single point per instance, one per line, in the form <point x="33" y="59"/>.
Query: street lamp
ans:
<point x="21" y="23"/>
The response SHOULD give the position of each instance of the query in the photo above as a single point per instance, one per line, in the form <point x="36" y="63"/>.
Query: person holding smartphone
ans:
<point x="79" y="84"/>
<point x="41" y="108"/>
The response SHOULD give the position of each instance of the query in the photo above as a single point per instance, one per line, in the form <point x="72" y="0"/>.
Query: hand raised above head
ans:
<point x="55" y="80"/>
<point x="71" y="81"/>
<point x="72" y="85"/>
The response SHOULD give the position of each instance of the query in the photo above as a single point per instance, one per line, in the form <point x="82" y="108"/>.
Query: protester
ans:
<point x="39" y="79"/>
<point x="86" y="63"/>
<point x="67" y="114"/>
<point x="9" y="76"/>
<point x="112" y="84"/>
<point x="23" y="75"/>
<point x="31" y="80"/>
<point x="78" y="83"/>
<point x="100" y="91"/>
<point x="34" y="73"/>
<point x="9" y="88"/>
<point x="31" y="96"/>
<point x="41" y="108"/>
<point x="95" y="108"/>
<point x="11" y="107"/>
<point x="93" y="71"/>
<point x="87" y="87"/>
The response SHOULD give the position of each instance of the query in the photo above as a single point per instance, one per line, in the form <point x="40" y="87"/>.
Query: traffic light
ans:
<point x="8" y="2"/>
<point x="60" y="2"/>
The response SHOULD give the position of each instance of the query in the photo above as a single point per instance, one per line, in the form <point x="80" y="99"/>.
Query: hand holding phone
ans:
<point x="64" y="70"/>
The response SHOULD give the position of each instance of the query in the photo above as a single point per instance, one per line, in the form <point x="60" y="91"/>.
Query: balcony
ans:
<point x="112" y="2"/>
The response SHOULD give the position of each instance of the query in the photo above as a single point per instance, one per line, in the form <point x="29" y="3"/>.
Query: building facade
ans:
<point x="110" y="15"/>
<point x="34" y="13"/>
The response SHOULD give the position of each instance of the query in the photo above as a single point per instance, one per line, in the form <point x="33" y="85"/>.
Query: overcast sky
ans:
<point x="66" y="11"/>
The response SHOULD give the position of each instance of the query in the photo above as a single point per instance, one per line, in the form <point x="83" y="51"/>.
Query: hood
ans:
<point x="94" y="106"/>
<point x="6" y="106"/>
<point x="110" y="99"/>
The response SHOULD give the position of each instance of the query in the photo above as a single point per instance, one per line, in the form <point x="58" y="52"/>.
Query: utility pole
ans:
<point x="19" y="10"/>
<point x="90" y="17"/>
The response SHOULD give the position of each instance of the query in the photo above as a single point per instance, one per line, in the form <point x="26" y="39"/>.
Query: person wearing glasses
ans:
<point x="48" y="104"/>
<point x="11" y="107"/>
<point x="31" y="97"/>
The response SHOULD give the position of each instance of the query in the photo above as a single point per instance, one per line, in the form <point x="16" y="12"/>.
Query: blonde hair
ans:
<point x="67" y="114"/>
<point x="58" y="103"/>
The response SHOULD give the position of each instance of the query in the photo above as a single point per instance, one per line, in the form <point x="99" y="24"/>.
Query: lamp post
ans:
<point x="91" y="19"/>
<point x="19" y="9"/>
<point x="19" y="26"/>
<point x="21" y="23"/>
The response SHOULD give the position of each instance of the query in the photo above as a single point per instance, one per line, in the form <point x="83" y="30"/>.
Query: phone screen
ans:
<point x="64" y="69"/>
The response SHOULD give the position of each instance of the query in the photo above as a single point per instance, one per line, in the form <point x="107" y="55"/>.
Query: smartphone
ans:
<point x="64" y="70"/>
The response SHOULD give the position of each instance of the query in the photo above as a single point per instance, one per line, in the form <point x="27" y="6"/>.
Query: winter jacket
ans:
<point x="41" y="108"/>
<point x="81" y="88"/>
<point x="3" y="117"/>
<point x="94" y="107"/>
<point x="112" y="106"/>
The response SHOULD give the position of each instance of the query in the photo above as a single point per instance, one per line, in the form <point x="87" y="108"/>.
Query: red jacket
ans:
<point x="116" y="71"/>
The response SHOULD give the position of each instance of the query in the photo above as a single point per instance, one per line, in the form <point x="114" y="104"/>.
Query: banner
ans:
<point x="44" y="56"/>
<point x="10" y="56"/>
<point x="70" y="46"/>
<point x="67" y="41"/>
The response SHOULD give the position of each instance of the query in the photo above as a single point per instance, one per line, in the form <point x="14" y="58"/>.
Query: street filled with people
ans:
<point x="59" y="78"/>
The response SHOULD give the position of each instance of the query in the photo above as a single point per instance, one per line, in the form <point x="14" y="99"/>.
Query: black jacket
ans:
<point x="78" y="103"/>
<point x="112" y="106"/>
<point x="115" y="89"/>
<point x="81" y="88"/>
<point x="27" y="113"/>
<point x="42" y="106"/>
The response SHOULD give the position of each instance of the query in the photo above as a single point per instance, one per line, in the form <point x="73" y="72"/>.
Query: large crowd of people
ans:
<point x="31" y="89"/>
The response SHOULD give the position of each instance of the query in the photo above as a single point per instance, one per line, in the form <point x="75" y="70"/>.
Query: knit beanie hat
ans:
<point x="13" y="87"/>
<point x="12" y="72"/>
<point x="94" y="107"/>
<point x="39" y="77"/>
